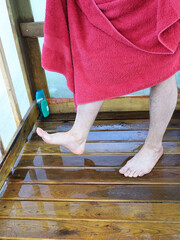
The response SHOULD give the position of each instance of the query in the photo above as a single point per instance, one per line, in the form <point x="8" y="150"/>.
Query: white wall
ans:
<point x="7" y="123"/>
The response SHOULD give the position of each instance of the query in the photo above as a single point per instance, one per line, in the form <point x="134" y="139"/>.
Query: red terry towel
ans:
<point x="110" y="48"/>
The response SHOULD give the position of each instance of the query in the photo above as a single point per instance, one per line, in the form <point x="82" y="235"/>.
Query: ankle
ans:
<point x="77" y="135"/>
<point x="153" y="146"/>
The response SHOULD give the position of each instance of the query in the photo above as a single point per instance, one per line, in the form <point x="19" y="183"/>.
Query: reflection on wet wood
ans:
<point x="93" y="176"/>
<point x="66" y="229"/>
<point x="29" y="161"/>
<point x="91" y="210"/>
<point x="133" y="135"/>
<point x="95" y="147"/>
<point x="103" y="125"/>
<point x="101" y="193"/>
<point x="99" y="125"/>
<point x="79" y="160"/>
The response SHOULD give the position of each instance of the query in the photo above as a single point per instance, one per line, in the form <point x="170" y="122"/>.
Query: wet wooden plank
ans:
<point x="82" y="160"/>
<point x="133" y="135"/>
<point x="66" y="229"/>
<point x="92" y="193"/>
<point x="102" y="193"/>
<point x="93" y="176"/>
<point x="104" y="125"/>
<point x="29" y="161"/>
<point x="168" y="212"/>
<point x="100" y="116"/>
<point x="98" y="125"/>
<point x="96" y="147"/>
<point x="120" y="115"/>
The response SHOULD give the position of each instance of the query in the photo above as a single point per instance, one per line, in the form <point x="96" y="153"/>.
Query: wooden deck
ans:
<point x="53" y="194"/>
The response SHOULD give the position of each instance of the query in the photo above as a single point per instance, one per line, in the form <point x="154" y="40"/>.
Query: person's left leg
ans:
<point x="75" y="138"/>
<point x="163" y="99"/>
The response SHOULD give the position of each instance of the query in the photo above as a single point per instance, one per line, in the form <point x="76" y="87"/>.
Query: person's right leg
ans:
<point x="75" y="138"/>
<point x="163" y="99"/>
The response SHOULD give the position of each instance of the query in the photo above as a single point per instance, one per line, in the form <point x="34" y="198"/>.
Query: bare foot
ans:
<point x="74" y="142"/>
<point x="142" y="163"/>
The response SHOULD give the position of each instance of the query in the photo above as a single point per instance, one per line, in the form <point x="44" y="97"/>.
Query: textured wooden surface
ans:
<point x="32" y="29"/>
<point x="54" y="194"/>
<point x="105" y="125"/>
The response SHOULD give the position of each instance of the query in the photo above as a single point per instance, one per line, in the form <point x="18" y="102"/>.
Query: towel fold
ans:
<point x="107" y="49"/>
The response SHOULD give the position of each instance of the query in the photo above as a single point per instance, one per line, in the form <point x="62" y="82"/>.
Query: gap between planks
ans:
<point x="106" y="141"/>
<point x="93" y="167"/>
<point x="97" y="183"/>
<point x="93" y="153"/>
<point x="88" y="220"/>
<point x="104" y="130"/>
<point x="87" y="200"/>
<point x="24" y="238"/>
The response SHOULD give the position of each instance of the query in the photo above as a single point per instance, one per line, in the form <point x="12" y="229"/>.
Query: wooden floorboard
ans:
<point x="91" y="161"/>
<point x="105" y="116"/>
<point x="101" y="116"/>
<point x="97" y="147"/>
<point x="93" y="176"/>
<point x="120" y="211"/>
<point x="54" y="194"/>
<point x="66" y="229"/>
<point x="133" y="135"/>
<point x="104" y="125"/>
<point x="92" y="192"/>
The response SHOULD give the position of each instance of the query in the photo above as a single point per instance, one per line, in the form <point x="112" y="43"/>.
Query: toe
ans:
<point x="135" y="174"/>
<point x="127" y="173"/>
<point x="132" y="173"/>
<point x="43" y="134"/>
<point x="141" y="173"/>
<point x="40" y="132"/>
<point x="123" y="170"/>
<point x="128" y="165"/>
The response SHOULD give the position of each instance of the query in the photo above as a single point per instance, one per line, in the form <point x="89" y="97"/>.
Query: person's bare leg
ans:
<point x="75" y="138"/>
<point x="163" y="99"/>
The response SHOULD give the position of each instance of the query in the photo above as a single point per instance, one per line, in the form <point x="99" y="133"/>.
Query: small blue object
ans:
<point x="40" y="94"/>
<point x="42" y="103"/>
